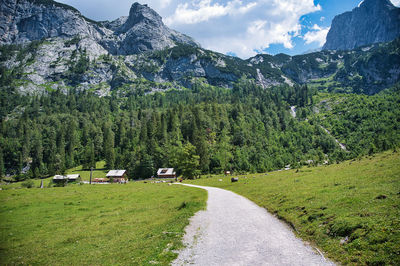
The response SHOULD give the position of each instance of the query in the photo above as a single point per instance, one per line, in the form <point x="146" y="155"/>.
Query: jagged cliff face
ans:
<point x="374" y="21"/>
<point x="23" y="21"/>
<point x="139" y="51"/>
<point x="143" y="31"/>
<point x="28" y="20"/>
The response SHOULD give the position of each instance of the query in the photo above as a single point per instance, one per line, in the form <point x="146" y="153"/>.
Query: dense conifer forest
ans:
<point x="202" y="130"/>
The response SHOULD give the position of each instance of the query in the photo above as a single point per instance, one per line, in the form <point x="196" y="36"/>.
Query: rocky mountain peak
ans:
<point x="144" y="30"/>
<point x="373" y="21"/>
<point x="141" y="14"/>
<point x="376" y="4"/>
<point x="23" y="21"/>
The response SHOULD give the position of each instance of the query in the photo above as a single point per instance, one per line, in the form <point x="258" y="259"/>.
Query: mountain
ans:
<point x="23" y="21"/>
<point x="141" y="96"/>
<point x="373" y="21"/>
<point x="143" y="30"/>
<point x="50" y="46"/>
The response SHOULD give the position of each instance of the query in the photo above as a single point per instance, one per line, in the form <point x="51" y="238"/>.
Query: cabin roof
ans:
<point x="116" y="173"/>
<point x="165" y="171"/>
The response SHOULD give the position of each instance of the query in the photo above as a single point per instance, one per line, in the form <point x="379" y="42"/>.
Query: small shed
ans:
<point x="73" y="178"/>
<point x="166" y="173"/>
<point x="59" y="179"/>
<point x="117" y="176"/>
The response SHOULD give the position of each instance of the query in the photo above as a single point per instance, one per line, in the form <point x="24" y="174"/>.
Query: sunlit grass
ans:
<point x="349" y="210"/>
<point x="132" y="224"/>
<point x="99" y="172"/>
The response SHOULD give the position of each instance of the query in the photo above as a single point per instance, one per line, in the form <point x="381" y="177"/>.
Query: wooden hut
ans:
<point x="117" y="176"/>
<point x="166" y="173"/>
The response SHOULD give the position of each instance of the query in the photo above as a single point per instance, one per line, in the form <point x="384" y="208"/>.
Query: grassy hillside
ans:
<point x="134" y="224"/>
<point x="99" y="172"/>
<point x="350" y="210"/>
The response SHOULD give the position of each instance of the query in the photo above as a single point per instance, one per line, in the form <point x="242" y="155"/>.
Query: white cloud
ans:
<point x="316" y="34"/>
<point x="195" y="12"/>
<point x="241" y="26"/>
<point x="396" y="2"/>
<point x="238" y="26"/>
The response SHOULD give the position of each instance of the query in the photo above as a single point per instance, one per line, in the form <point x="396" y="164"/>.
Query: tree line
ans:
<point x="201" y="130"/>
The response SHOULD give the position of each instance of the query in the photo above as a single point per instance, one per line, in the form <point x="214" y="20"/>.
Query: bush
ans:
<point x="343" y="227"/>
<point x="60" y="184"/>
<point x="28" y="184"/>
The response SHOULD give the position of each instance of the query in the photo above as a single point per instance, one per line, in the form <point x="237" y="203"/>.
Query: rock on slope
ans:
<point x="373" y="21"/>
<point x="144" y="30"/>
<point x="23" y="21"/>
<point x="72" y="51"/>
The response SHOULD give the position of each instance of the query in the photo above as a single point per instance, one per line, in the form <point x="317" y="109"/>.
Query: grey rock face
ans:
<point x="144" y="30"/>
<point x="23" y="21"/>
<point x="374" y="21"/>
<point x="115" y="24"/>
<point x="108" y="56"/>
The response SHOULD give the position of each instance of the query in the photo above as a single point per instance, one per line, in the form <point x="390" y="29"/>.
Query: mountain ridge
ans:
<point x="109" y="56"/>
<point x="373" y="21"/>
<point x="143" y="30"/>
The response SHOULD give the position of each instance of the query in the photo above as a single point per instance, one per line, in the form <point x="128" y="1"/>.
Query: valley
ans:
<point x="313" y="138"/>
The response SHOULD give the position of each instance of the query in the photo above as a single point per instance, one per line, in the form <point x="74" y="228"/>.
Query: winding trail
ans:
<point x="342" y="146"/>
<point x="235" y="231"/>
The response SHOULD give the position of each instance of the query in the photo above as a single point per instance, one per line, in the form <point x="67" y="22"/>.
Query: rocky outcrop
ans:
<point x="144" y="31"/>
<point x="74" y="52"/>
<point x="373" y="21"/>
<point x="23" y="21"/>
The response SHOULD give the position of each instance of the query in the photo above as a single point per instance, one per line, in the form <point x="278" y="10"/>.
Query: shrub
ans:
<point x="343" y="227"/>
<point x="28" y="184"/>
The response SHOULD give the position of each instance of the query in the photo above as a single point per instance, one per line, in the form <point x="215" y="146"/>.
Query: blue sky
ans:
<point x="238" y="27"/>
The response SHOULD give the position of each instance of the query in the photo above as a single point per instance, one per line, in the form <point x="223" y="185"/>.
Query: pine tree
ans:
<point x="37" y="153"/>
<point x="71" y="143"/>
<point x="60" y="157"/>
<point x="109" y="147"/>
<point x="189" y="162"/>
<point x="2" y="170"/>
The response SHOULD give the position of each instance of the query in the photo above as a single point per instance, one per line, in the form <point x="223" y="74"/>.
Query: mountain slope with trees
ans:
<point x="68" y="100"/>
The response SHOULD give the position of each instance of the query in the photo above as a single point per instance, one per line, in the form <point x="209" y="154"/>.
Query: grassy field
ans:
<point x="351" y="211"/>
<point x="99" y="172"/>
<point x="132" y="224"/>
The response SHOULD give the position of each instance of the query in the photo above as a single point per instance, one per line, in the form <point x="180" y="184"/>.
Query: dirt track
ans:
<point x="235" y="231"/>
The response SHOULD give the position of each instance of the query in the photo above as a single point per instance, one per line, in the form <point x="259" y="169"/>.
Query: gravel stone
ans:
<point x="235" y="231"/>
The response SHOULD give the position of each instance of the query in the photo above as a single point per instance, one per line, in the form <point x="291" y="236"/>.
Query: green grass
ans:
<point x="99" y="172"/>
<point x="133" y="224"/>
<point x="357" y="200"/>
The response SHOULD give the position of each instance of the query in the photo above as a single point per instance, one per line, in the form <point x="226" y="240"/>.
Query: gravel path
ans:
<point x="235" y="231"/>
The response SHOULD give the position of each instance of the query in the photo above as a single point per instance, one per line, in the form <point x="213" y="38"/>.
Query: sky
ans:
<point x="240" y="28"/>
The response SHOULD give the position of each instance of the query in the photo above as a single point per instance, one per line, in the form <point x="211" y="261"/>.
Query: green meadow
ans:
<point x="99" y="172"/>
<point x="132" y="224"/>
<point x="350" y="211"/>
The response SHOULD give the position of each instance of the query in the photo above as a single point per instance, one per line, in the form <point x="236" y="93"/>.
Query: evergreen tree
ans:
<point x="2" y="170"/>
<point x="189" y="162"/>
<point x="109" y="152"/>
<point x="145" y="168"/>
<point x="37" y="153"/>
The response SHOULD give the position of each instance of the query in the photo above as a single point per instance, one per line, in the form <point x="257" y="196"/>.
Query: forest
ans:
<point x="202" y="130"/>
